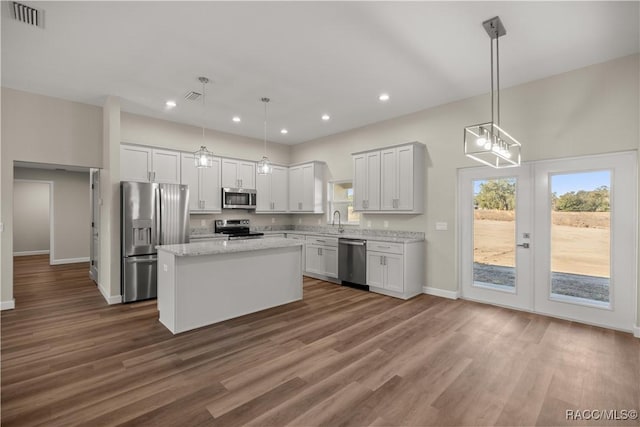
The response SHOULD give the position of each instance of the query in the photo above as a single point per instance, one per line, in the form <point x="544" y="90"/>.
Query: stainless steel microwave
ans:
<point x="238" y="198"/>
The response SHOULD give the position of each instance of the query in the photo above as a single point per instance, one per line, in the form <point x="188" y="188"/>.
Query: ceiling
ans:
<point x="310" y="58"/>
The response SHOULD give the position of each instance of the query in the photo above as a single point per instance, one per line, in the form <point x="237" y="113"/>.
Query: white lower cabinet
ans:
<point x="322" y="256"/>
<point x="395" y="269"/>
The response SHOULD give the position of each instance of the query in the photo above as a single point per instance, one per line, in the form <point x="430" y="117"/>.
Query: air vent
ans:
<point x="192" y="96"/>
<point x="28" y="15"/>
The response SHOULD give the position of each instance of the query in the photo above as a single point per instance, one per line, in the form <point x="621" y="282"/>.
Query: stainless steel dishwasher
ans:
<point x="352" y="261"/>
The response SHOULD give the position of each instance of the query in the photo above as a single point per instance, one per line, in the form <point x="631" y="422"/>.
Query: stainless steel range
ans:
<point x="236" y="229"/>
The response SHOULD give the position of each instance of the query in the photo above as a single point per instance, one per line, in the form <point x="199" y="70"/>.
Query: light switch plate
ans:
<point x="273" y="220"/>
<point x="203" y="222"/>
<point x="1" y="227"/>
<point x="165" y="268"/>
<point x="368" y="224"/>
<point x="386" y="224"/>
<point x="442" y="226"/>
<point x="299" y="220"/>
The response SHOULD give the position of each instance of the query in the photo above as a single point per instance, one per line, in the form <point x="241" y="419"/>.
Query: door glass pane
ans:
<point x="494" y="233"/>
<point x="580" y="237"/>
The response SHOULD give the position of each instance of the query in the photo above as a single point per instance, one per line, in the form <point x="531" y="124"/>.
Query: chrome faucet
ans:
<point x="333" y="221"/>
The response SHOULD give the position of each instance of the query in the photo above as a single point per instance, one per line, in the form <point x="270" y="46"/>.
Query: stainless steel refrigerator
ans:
<point x="152" y="214"/>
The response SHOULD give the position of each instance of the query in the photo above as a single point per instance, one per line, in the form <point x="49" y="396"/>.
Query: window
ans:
<point x="340" y="198"/>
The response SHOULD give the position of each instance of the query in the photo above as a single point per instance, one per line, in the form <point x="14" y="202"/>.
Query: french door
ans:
<point x="554" y="237"/>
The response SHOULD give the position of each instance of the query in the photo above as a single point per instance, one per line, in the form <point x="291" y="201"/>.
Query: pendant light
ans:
<point x="264" y="165"/>
<point x="488" y="143"/>
<point x="203" y="158"/>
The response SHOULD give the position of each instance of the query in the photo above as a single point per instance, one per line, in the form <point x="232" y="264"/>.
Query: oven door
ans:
<point x="238" y="198"/>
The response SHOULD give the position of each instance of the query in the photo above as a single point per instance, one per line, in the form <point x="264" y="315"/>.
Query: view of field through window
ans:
<point x="580" y="234"/>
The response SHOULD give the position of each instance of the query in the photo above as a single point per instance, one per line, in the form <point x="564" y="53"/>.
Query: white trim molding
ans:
<point x="8" y="305"/>
<point x="68" y="260"/>
<point x="28" y="253"/>
<point x="116" y="299"/>
<point x="441" y="292"/>
<point x="636" y="331"/>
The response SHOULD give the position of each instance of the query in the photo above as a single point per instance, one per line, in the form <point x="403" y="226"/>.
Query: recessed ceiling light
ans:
<point x="325" y="117"/>
<point x="384" y="97"/>
<point x="284" y="131"/>
<point x="170" y="104"/>
<point x="236" y="119"/>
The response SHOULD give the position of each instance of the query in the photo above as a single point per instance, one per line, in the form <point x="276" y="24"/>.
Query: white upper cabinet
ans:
<point x="204" y="184"/>
<point x="273" y="190"/>
<point x="366" y="181"/>
<point x="306" y="188"/>
<point x="399" y="174"/>
<point x="166" y="166"/>
<point x="238" y="174"/>
<point x="146" y="164"/>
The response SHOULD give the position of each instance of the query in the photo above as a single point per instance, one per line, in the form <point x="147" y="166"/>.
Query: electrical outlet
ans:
<point x="368" y="224"/>
<point x="319" y="222"/>
<point x="442" y="226"/>
<point x="1" y="227"/>
<point x="299" y="220"/>
<point x="273" y="220"/>
<point x="386" y="224"/>
<point x="203" y="223"/>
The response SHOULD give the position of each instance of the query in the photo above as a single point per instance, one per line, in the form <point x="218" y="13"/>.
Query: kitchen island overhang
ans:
<point x="203" y="283"/>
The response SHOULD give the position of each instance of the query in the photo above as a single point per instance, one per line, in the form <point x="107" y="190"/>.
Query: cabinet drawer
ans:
<point x="323" y="241"/>
<point x="391" y="248"/>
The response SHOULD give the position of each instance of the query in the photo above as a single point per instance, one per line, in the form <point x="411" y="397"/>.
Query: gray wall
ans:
<point x="31" y="217"/>
<point x="71" y="212"/>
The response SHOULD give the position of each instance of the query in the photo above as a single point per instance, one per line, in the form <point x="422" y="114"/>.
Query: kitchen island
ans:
<point x="207" y="282"/>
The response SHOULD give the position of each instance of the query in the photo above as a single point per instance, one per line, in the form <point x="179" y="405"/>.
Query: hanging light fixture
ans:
<point x="488" y="143"/>
<point x="203" y="157"/>
<point x="264" y="165"/>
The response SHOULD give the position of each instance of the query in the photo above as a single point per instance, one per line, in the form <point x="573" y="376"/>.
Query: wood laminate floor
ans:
<point x="339" y="357"/>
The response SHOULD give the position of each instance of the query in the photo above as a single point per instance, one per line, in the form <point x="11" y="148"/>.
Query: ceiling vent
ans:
<point x="28" y="15"/>
<point x="192" y="96"/>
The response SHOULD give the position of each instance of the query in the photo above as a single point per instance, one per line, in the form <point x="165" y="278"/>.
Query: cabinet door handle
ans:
<point x="154" y="175"/>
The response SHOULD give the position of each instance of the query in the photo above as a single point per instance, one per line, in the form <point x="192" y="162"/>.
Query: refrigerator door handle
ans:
<point x="158" y="216"/>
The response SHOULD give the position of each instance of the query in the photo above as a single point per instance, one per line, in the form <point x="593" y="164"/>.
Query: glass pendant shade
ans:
<point x="489" y="144"/>
<point x="264" y="166"/>
<point x="203" y="158"/>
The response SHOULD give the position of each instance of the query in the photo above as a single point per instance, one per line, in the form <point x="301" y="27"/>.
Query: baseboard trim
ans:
<point x="8" y="305"/>
<point x="441" y="292"/>
<point x="117" y="299"/>
<point x="27" y="253"/>
<point x="636" y="331"/>
<point x="69" y="260"/>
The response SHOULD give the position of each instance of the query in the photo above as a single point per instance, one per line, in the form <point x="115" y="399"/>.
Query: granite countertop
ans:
<point x="347" y="235"/>
<point x="227" y="246"/>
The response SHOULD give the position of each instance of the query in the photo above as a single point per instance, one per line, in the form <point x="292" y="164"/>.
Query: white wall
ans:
<point x="41" y="129"/>
<point x="71" y="212"/>
<point x="162" y="133"/>
<point x="31" y="217"/>
<point x="586" y="111"/>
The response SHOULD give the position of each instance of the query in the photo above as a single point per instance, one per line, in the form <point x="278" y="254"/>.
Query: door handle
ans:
<point x="524" y="245"/>
<point x="137" y="261"/>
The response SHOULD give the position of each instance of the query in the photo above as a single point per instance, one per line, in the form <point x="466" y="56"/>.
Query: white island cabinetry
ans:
<point x="204" y="283"/>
